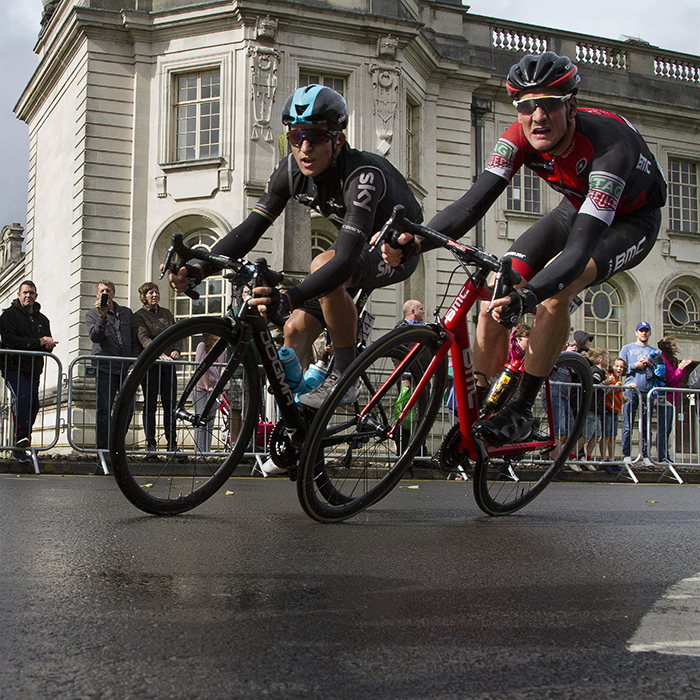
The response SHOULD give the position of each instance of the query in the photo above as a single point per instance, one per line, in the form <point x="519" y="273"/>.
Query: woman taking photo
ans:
<point x="150" y="320"/>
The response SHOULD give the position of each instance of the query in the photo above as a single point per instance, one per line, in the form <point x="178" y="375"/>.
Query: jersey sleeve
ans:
<point x="362" y="191"/>
<point x="606" y="182"/>
<point x="243" y="238"/>
<point x="460" y="216"/>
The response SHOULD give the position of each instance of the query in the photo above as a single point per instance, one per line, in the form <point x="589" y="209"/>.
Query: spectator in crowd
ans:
<point x="152" y="319"/>
<point x="202" y="392"/>
<point x="562" y="417"/>
<point x="675" y="373"/>
<point x="613" y="407"/>
<point x="639" y="382"/>
<point x="600" y="360"/>
<point x="519" y="338"/>
<point x="112" y="330"/>
<point x="582" y="342"/>
<point x="413" y="311"/>
<point x="24" y="327"/>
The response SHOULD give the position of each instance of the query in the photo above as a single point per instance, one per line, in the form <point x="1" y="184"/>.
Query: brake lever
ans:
<point x="388" y="232"/>
<point x="505" y="277"/>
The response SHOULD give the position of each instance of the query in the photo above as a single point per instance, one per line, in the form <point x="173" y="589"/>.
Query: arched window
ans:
<point x="602" y="316"/>
<point x="212" y="292"/>
<point x="680" y="311"/>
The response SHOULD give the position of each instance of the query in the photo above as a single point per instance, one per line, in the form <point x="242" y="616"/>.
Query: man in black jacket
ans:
<point x="24" y="327"/>
<point x="112" y="331"/>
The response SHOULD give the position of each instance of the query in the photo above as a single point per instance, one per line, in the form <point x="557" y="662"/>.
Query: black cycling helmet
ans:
<point x="315" y="104"/>
<point x="548" y="70"/>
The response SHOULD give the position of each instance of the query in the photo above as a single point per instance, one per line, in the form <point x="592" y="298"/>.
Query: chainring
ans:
<point x="448" y="458"/>
<point x="283" y="453"/>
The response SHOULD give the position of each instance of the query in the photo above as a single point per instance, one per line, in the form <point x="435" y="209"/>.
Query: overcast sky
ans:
<point x="670" y="24"/>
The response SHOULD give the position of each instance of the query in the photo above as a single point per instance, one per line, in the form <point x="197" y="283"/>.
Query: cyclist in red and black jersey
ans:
<point x="357" y="191"/>
<point x="607" y="221"/>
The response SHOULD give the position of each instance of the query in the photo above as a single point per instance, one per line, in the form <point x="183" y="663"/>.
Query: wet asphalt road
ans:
<point x="420" y="597"/>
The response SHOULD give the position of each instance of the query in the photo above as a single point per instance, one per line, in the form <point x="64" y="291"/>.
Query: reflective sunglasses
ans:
<point x="314" y="137"/>
<point x="550" y="103"/>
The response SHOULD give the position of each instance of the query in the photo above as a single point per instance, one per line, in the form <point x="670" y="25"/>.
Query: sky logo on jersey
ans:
<point x="605" y="190"/>
<point x="364" y="198"/>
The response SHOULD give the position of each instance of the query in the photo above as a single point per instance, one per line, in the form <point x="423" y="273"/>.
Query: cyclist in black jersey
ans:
<point x="356" y="191"/>
<point x="607" y="221"/>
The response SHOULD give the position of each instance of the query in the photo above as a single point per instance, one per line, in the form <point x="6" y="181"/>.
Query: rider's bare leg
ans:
<point x="491" y="346"/>
<point x="552" y="326"/>
<point x="300" y="332"/>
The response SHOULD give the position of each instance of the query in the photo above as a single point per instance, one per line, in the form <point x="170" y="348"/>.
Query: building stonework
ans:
<point x="117" y="165"/>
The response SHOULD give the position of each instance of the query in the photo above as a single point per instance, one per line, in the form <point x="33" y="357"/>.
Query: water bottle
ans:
<point x="292" y="368"/>
<point x="503" y="386"/>
<point x="315" y="375"/>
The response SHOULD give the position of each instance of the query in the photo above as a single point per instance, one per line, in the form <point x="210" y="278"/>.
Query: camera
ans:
<point x="104" y="299"/>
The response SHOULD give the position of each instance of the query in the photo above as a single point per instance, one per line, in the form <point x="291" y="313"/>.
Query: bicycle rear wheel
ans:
<point x="169" y="482"/>
<point x="506" y="484"/>
<point x="349" y="460"/>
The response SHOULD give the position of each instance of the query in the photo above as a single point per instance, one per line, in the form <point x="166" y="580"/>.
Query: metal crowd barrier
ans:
<point x="18" y="366"/>
<point x="673" y="414"/>
<point x="86" y="372"/>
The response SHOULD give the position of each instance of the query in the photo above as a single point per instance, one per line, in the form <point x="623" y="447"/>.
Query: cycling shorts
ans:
<point x="623" y="245"/>
<point x="371" y="272"/>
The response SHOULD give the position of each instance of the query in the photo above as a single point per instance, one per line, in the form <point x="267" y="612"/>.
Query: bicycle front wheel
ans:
<point x="506" y="484"/>
<point x="204" y="433"/>
<point x="356" y="453"/>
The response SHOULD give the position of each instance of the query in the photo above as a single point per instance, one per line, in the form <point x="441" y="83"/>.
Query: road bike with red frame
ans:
<point x="356" y="453"/>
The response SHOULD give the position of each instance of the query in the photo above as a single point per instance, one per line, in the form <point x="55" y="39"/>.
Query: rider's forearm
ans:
<point x="571" y="263"/>
<point x="460" y="216"/>
<point x="334" y="273"/>
<point x="238" y="242"/>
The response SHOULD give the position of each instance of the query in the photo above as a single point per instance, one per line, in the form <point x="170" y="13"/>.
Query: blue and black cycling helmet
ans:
<point x="316" y="104"/>
<point x="547" y="70"/>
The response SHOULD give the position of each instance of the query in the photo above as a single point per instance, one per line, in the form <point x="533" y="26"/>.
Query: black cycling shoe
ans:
<point x="514" y="423"/>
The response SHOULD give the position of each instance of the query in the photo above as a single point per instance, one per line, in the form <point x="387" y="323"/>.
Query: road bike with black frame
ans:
<point x="355" y="454"/>
<point x="165" y="483"/>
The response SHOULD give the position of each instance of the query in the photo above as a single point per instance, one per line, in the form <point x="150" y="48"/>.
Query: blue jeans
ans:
<point x="665" y="423"/>
<point x="26" y="407"/>
<point x="629" y="412"/>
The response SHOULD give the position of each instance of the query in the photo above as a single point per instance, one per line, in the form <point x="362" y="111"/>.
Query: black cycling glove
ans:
<point x="194" y="275"/>
<point x="522" y="301"/>
<point x="279" y="307"/>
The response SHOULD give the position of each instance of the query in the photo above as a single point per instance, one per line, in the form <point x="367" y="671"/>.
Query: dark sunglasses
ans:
<point x="548" y="104"/>
<point x="314" y="137"/>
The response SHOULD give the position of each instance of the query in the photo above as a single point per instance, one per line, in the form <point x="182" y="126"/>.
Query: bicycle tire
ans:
<point x="348" y="462"/>
<point x="174" y="482"/>
<point x="503" y="486"/>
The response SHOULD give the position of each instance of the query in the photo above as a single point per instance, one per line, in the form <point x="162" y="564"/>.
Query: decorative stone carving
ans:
<point x="387" y="46"/>
<point x="385" y="88"/>
<point x="266" y="28"/>
<point x="50" y="6"/>
<point x="263" y="85"/>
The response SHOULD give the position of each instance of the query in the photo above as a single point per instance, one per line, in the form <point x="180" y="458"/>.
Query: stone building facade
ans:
<point x="148" y="117"/>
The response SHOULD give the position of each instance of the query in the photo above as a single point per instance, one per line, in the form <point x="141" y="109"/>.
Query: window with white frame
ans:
<point x="197" y="115"/>
<point x="680" y="311"/>
<point x="683" y="195"/>
<point x="523" y="193"/>
<point x="412" y="124"/>
<point x="212" y="292"/>
<point x="603" y="316"/>
<point x="335" y="82"/>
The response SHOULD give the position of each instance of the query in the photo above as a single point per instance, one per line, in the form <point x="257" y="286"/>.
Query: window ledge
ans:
<point x="684" y="234"/>
<point x="514" y="213"/>
<point x="189" y="165"/>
